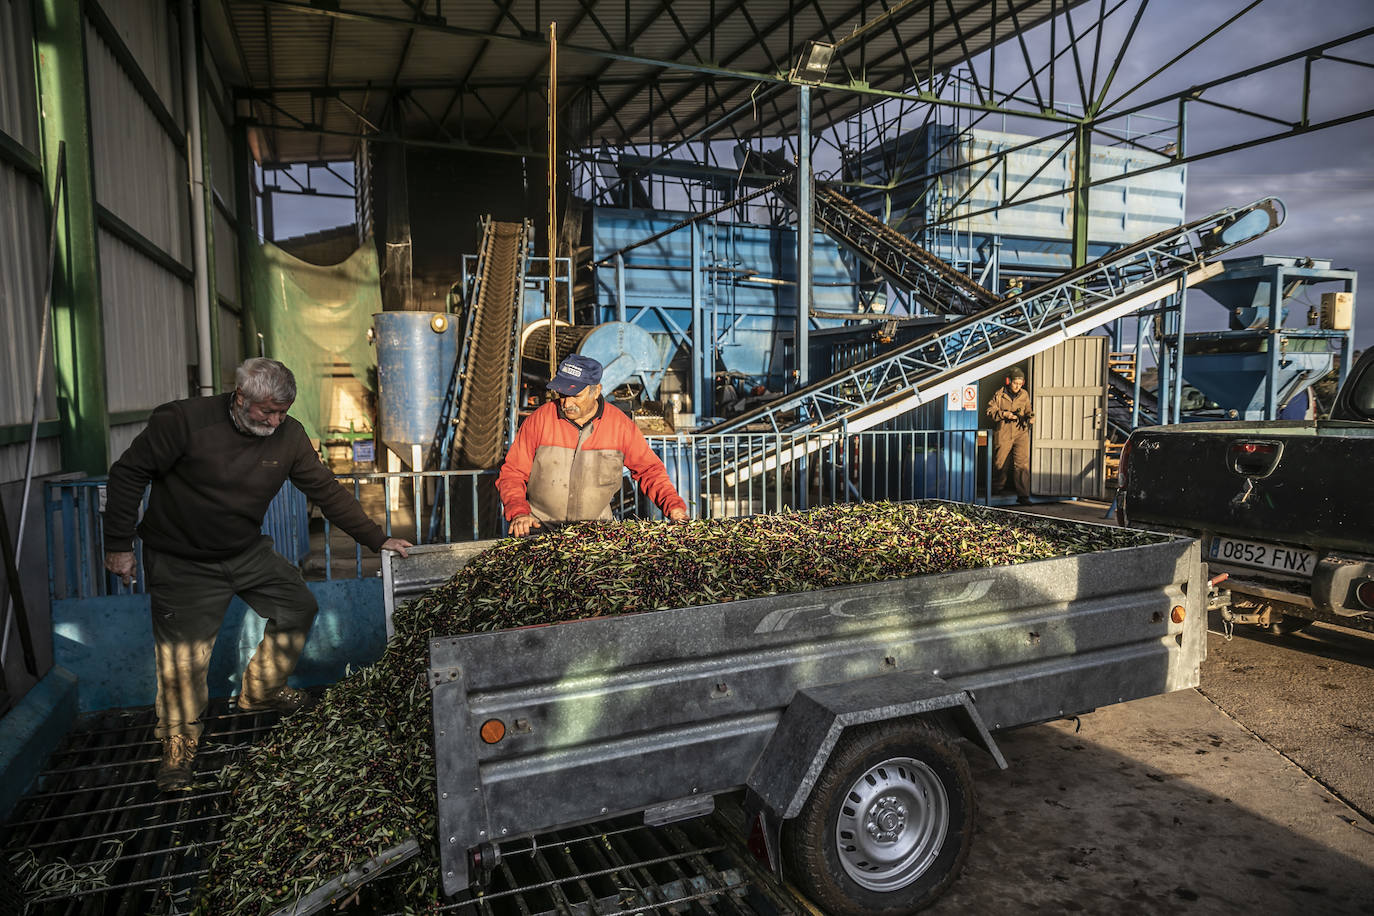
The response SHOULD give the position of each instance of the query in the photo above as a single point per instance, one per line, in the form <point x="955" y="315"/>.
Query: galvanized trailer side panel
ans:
<point x="619" y="714"/>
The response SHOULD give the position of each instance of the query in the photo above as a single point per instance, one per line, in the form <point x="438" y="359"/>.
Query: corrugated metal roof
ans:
<point x="632" y="71"/>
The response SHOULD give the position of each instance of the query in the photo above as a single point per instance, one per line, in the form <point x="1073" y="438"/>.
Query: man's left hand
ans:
<point x="397" y="544"/>
<point x="677" y="515"/>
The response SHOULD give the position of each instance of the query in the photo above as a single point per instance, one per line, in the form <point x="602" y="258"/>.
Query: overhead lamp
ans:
<point x="814" y="64"/>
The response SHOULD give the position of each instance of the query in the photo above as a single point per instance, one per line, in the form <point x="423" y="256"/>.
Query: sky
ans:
<point x="1325" y="178"/>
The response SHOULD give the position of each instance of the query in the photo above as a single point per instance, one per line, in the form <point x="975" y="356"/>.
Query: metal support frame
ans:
<point x="1280" y="276"/>
<point x="804" y="236"/>
<point x="78" y="321"/>
<point x="887" y="386"/>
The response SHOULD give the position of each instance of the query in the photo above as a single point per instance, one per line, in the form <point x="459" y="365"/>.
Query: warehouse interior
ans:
<point x="807" y="239"/>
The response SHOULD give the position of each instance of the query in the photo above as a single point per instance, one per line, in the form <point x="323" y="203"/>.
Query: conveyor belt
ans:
<point x="1121" y="282"/>
<point x="143" y="853"/>
<point x="938" y="286"/>
<point x="485" y="402"/>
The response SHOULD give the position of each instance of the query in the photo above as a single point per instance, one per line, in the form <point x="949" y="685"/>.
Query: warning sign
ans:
<point x="970" y="397"/>
<point x="955" y="400"/>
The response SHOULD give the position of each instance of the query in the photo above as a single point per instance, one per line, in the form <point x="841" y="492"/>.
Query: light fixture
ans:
<point x="814" y="64"/>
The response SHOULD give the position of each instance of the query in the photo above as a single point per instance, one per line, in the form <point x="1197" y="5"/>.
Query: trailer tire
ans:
<point x="888" y="825"/>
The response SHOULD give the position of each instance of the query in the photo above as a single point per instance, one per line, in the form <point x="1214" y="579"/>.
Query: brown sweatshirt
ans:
<point x="211" y="483"/>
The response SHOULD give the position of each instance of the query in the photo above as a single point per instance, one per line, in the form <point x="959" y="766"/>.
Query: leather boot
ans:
<point x="177" y="768"/>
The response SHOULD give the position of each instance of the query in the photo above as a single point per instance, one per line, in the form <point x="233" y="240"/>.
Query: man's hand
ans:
<point x="677" y="515"/>
<point x="397" y="544"/>
<point x="522" y="524"/>
<point x="121" y="563"/>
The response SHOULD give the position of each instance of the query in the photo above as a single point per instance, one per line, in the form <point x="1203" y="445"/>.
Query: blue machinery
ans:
<point x="1098" y="293"/>
<point x="1258" y="366"/>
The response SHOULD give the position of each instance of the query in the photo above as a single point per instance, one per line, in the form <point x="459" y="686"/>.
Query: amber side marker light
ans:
<point x="493" y="730"/>
<point x="1176" y="616"/>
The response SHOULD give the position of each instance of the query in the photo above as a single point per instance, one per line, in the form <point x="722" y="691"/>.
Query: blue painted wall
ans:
<point x="107" y="643"/>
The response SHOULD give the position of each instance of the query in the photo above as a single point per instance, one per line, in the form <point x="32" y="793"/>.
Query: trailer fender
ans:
<point x="811" y="725"/>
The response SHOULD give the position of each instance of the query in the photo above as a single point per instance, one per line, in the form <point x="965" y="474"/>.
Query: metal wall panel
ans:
<point x="221" y="144"/>
<point x="122" y="435"/>
<point x="1120" y="212"/>
<point x="23" y="228"/>
<point x="23" y="259"/>
<point x="152" y="34"/>
<point x="226" y="259"/>
<point x="1069" y="398"/>
<point x="139" y="175"/>
<point x="47" y="459"/>
<point x="149" y="329"/>
<point x="230" y="347"/>
<point x="18" y="100"/>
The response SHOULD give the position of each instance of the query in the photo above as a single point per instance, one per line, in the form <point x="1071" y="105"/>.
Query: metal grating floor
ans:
<point x="107" y="842"/>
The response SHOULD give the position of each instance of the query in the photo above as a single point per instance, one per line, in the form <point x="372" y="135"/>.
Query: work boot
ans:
<point x="178" y="763"/>
<point x="285" y="700"/>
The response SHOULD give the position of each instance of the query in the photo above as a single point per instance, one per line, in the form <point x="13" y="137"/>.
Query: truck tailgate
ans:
<point x="1294" y="484"/>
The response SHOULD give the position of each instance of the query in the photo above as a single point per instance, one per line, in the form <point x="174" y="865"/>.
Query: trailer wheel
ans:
<point x="888" y="825"/>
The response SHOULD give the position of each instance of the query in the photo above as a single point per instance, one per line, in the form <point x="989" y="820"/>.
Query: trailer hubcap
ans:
<point x="892" y="824"/>
<point x="886" y="819"/>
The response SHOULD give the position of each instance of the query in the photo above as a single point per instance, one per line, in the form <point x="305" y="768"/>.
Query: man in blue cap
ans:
<point x="565" y="463"/>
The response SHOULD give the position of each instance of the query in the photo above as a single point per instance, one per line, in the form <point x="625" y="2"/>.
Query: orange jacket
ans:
<point x="611" y="429"/>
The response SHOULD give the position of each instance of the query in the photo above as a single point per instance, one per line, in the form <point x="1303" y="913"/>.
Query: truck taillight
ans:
<point x="1364" y="594"/>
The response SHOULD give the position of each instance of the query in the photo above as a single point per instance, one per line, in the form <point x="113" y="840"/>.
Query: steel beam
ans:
<point x="804" y="201"/>
<point x="78" y="320"/>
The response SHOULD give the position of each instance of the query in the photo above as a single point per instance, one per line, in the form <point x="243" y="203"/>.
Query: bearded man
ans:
<point x="214" y="465"/>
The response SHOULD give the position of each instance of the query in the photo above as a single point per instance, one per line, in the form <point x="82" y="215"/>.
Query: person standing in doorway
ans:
<point x="214" y="464"/>
<point x="1011" y="414"/>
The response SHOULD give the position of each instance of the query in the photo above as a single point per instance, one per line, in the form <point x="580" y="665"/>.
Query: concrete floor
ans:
<point x="1252" y="794"/>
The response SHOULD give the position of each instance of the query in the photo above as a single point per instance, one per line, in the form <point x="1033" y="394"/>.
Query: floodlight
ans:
<point x="814" y="64"/>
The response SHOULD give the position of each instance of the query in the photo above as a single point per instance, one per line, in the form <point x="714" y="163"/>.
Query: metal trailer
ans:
<point x="836" y="711"/>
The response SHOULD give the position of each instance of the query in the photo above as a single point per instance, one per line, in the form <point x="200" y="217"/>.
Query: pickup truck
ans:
<point x="1284" y="509"/>
<point x="838" y="713"/>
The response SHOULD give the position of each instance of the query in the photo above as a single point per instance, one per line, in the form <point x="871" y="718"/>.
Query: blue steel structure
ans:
<point x="938" y="182"/>
<point x="1261" y="365"/>
<point x="738" y="277"/>
<point x="889" y="385"/>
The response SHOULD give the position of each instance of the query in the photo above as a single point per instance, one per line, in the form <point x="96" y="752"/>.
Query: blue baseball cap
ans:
<point x="575" y="373"/>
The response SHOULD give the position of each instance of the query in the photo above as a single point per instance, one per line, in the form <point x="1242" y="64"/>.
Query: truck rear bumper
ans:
<point x="1333" y="588"/>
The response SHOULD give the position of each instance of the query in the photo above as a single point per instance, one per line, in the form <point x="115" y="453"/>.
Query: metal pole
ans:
<point x="1135" y="393"/>
<point x="1179" y="343"/>
<point x="803" y="341"/>
<point x="190" y="81"/>
<point x="698" y="332"/>
<point x="620" y="287"/>
<point x="1271" y="394"/>
<point x="553" y="201"/>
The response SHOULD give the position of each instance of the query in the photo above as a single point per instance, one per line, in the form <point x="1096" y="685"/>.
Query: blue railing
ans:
<point x="723" y="476"/>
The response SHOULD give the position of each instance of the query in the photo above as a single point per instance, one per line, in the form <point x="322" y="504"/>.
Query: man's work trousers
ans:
<point x="1011" y="451"/>
<point x="189" y="598"/>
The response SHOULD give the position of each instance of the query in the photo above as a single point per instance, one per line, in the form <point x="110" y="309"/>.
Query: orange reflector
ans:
<point x="1177" y="617"/>
<point x="493" y="730"/>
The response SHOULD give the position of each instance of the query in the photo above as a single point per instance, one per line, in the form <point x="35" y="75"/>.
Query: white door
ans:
<point x="1069" y="396"/>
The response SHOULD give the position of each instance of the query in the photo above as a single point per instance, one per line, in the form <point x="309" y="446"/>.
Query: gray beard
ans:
<point x="241" y="419"/>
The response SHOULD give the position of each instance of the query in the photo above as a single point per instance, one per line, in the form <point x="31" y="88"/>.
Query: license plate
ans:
<point x="1265" y="556"/>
